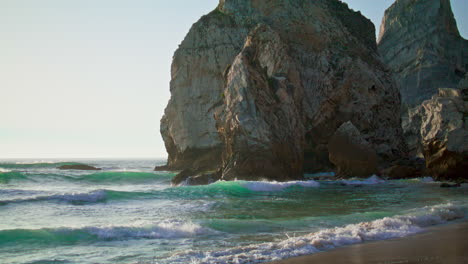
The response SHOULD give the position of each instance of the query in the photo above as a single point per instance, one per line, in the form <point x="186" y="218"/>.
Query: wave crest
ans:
<point x="370" y="181"/>
<point x="389" y="227"/>
<point x="260" y="186"/>
<point x="166" y="230"/>
<point x="36" y="164"/>
<point x="96" y="196"/>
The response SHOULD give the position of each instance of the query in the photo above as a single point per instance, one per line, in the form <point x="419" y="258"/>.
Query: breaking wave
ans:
<point x="166" y="230"/>
<point x="100" y="177"/>
<point x="370" y="181"/>
<point x="412" y="222"/>
<point x="259" y="186"/>
<point x="96" y="196"/>
<point x="36" y="164"/>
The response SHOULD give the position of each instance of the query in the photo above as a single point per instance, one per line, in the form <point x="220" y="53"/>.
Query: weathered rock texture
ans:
<point x="259" y="87"/>
<point x="420" y="42"/>
<point x="441" y="126"/>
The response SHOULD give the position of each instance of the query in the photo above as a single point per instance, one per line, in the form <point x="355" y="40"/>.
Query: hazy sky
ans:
<point x="90" y="78"/>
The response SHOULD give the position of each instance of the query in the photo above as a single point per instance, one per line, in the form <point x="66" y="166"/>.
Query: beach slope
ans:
<point x="446" y="244"/>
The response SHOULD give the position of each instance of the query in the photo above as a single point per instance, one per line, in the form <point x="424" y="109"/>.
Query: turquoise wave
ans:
<point x="100" y="177"/>
<point x="68" y="235"/>
<point x="97" y="196"/>
<point x="224" y="190"/>
<point x="6" y="177"/>
<point x="239" y="189"/>
<point x="37" y="165"/>
<point x="125" y="177"/>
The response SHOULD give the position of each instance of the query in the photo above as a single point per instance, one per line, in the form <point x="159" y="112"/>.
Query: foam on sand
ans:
<point x="412" y="222"/>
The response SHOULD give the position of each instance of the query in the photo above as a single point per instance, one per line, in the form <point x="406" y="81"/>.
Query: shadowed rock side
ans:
<point x="259" y="87"/>
<point x="352" y="154"/>
<point x="420" y="42"/>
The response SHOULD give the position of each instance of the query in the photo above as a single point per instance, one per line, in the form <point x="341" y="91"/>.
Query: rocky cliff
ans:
<point x="420" y="42"/>
<point x="259" y="87"/>
<point x="441" y="126"/>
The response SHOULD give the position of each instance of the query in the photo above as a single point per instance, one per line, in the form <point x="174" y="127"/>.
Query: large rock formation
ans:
<point x="443" y="128"/>
<point x="420" y="42"/>
<point x="259" y="87"/>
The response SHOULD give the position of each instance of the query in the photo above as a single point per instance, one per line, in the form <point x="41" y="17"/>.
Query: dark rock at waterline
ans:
<point x="450" y="185"/>
<point x="77" y="167"/>
<point x="162" y="168"/>
<point x="196" y="177"/>
<point x="401" y="172"/>
<point x="352" y="155"/>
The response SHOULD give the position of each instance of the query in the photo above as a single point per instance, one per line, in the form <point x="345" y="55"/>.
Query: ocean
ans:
<point x="127" y="213"/>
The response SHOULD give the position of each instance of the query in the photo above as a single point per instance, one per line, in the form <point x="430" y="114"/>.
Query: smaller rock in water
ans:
<point x="352" y="155"/>
<point x="196" y="177"/>
<point x="450" y="185"/>
<point x="401" y="172"/>
<point x="77" y="167"/>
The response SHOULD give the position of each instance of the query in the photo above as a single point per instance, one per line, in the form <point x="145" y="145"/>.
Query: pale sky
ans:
<point x="90" y="78"/>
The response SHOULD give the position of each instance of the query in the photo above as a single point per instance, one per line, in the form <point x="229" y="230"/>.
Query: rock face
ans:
<point x="259" y="87"/>
<point x="401" y="172"/>
<point x="352" y="155"/>
<point x="420" y="42"/>
<point x="441" y="124"/>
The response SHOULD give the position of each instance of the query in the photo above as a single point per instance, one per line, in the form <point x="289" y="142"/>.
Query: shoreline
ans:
<point x="442" y="244"/>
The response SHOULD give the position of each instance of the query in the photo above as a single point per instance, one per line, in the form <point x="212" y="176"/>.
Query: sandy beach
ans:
<point x="446" y="244"/>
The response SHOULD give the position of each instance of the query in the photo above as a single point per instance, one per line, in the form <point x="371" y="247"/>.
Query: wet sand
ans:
<point x="446" y="244"/>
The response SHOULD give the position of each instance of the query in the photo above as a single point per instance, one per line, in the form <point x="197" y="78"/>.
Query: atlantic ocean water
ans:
<point x="127" y="213"/>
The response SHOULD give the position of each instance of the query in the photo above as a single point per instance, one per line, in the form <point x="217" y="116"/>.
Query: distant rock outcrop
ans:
<point x="259" y="87"/>
<point x="420" y="42"/>
<point x="77" y="167"/>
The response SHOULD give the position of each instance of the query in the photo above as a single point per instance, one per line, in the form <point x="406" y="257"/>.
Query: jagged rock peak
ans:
<point x="419" y="40"/>
<point x="433" y="13"/>
<point x="277" y="11"/>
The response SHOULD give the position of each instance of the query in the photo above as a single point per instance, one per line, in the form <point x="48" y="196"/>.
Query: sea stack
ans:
<point x="259" y="87"/>
<point x="420" y="42"/>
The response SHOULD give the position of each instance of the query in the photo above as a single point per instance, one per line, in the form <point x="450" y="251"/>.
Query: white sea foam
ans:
<point x="94" y="196"/>
<point x="264" y="186"/>
<point x="370" y="181"/>
<point x="426" y="179"/>
<point x="389" y="227"/>
<point x="90" y="197"/>
<point x="2" y="170"/>
<point x="166" y="229"/>
<point x="35" y="162"/>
